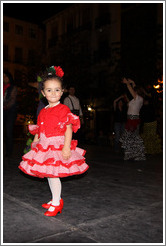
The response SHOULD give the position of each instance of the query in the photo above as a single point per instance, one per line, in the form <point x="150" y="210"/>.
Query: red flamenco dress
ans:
<point x="45" y="157"/>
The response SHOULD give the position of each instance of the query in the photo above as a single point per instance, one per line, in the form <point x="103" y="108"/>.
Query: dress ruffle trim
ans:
<point x="51" y="162"/>
<point x="37" y="146"/>
<point x="46" y="175"/>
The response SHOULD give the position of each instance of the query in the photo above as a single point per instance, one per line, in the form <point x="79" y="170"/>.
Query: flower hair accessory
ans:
<point x="55" y="70"/>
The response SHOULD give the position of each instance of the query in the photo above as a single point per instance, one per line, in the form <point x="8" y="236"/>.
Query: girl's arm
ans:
<point x="36" y="138"/>
<point x="130" y="88"/>
<point x="66" y="152"/>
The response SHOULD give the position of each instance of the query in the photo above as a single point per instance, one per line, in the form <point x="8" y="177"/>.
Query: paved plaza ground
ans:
<point x="115" y="201"/>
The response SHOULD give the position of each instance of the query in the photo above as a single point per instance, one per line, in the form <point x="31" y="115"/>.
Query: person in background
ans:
<point x="9" y="111"/>
<point x="120" y="117"/>
<point x="149" y="134"/>
<point x="74" y="105"/>
<point x="131" y="141"/>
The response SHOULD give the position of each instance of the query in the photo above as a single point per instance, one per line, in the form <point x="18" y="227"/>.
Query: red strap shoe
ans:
<point x="47" y="205"/>
<point x="57" y="209"/>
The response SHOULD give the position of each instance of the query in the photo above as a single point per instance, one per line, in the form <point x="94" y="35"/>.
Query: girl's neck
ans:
<point x="53" y="105"/>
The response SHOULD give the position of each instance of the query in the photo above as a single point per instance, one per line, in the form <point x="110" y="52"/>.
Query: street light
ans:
<point x="89" y="108"/>
<point x="159" y="86"/>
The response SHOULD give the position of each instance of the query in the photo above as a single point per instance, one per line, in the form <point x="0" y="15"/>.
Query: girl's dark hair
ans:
<point x="11" y="80"/>
<point x="48" y="76"/>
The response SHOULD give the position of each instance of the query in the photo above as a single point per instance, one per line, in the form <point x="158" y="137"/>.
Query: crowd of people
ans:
<point x="135" y="123"/>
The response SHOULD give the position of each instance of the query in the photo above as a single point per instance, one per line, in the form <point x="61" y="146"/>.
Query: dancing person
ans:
<point x="9" y="110"/>
<point x="120" y="117"/>
<point x="131" y="141"/>
<point x="53" y="153"/>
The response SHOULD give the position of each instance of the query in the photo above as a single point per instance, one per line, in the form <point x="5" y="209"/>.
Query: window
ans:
<point x="31" y="57"/>
<point x="70" y="24"/>
<point x="18" y="55"/>
<point x="5" y="52"/>
<point x="54" y="31"/>
<point x="32" y="33"/>
<point x="6" y="27"/>
<point x="19" y="30"/>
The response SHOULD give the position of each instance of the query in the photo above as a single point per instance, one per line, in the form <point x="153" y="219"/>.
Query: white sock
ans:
<point x="55" y="187"/>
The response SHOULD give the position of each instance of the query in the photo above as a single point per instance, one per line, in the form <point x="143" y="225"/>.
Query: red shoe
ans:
<point x="55" y="211"/>
<point x="47" y="205"/>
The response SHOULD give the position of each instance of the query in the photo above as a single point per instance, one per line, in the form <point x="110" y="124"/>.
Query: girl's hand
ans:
<point x="66" y="153"/>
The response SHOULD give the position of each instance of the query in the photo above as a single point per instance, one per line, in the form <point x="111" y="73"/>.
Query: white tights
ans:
<point x="55" y="187"/>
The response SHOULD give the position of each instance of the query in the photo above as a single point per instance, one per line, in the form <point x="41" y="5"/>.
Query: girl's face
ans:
<point x="52" y="91"/>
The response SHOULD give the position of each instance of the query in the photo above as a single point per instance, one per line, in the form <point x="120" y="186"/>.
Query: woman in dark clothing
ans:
<point x="9" y="110"/>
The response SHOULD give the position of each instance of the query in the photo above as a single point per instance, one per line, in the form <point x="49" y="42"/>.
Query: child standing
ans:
<point x="53" y="153"/>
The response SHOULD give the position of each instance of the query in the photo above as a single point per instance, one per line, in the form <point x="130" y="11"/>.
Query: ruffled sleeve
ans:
<point x="33" y="129"/>
<point x="67" y="120"/>
<point x="74" y="120"/>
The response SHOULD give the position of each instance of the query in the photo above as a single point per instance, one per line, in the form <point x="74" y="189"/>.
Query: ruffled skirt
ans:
<point x="131" y="141"/>
<point x="45" y="159"/>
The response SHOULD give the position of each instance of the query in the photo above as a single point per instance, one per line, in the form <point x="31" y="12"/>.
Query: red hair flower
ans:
<point x="58" y="71"/>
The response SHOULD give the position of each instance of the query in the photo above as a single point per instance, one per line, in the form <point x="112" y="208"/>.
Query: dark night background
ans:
<point x="139" y="33"/>
<point x="139" y="50"/>
<point x="34" y="12"/>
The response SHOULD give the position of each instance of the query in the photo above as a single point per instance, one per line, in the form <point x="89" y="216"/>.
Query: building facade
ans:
<point x="95" y="43"/>
<point x="22" y="48"/>
<point x="85" y="39"/>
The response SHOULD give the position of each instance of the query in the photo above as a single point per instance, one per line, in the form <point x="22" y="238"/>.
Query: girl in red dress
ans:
<point x="53" y="153"/>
